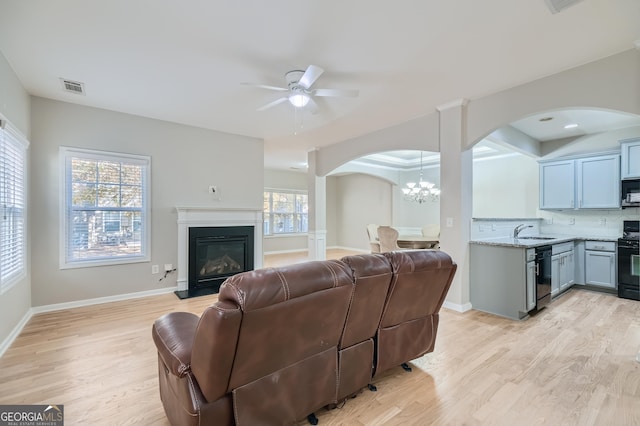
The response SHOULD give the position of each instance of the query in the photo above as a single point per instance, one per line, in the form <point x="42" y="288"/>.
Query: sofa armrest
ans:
<point x="173" y="334"/>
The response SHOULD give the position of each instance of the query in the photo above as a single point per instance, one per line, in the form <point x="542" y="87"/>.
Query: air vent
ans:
<point x="556" y="6"/>
<point x="73" y="86"/>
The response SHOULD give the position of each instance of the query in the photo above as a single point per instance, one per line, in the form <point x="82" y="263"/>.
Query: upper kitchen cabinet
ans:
<point x="598" y="181"/>
<point x="630" y="166"/>
<point x="557" y="185"/>
<point x="582" y="183"/>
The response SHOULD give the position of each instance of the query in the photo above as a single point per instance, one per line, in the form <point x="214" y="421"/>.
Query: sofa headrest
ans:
<point x="418" y="260"/>
<point x="265" y="287"/>
<point x="368" y="264"/>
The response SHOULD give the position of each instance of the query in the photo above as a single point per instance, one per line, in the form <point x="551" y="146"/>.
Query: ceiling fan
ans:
<point x="299" y="91"/>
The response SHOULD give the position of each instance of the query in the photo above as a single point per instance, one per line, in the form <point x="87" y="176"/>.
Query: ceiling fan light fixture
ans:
<point x="299" y="100"/>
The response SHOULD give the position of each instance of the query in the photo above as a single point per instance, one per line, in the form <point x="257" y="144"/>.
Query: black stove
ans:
<point x="629" y="260"/>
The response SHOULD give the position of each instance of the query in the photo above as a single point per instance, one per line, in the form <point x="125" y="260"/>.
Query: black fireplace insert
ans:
<point x="216" y="253"/>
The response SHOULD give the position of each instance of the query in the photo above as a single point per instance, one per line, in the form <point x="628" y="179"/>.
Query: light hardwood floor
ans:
<point x="572" y="364"/>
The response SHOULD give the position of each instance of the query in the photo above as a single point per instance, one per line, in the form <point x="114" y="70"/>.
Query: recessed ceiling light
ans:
<point x="546" y="119"/>
<point x="571" y="126"/>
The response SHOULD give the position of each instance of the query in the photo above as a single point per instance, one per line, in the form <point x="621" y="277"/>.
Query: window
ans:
<point x="285" y="212"/>
<point x="13" y="154"/>
<point x="106" y="208"/>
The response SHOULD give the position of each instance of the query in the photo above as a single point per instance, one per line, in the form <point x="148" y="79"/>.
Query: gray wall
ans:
<point x="505" y="187"/>
<point x="361" y="199"/>
<point x="184" y="162"/>
<point x="411" y="214"/>
<point x="15" y="106"/>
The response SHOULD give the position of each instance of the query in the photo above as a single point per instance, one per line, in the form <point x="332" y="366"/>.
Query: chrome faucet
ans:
<point x="519" y="228"/>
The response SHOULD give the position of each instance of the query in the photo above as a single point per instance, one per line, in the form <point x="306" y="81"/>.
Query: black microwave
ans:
<point x="630" y="193"/>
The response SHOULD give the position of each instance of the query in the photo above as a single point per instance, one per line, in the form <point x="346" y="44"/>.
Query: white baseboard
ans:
<point x="360" y="250"/>
<point x="457" y="307"/>
<point x="286" y="251"/>
<point x="99" y="300"/>
<point x="306" y="250"/>
<point x="8" y="341"/>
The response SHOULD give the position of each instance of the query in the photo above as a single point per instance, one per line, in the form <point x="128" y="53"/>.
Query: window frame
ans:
<point x="269" y="214"/>
<point x="65" y="155"/>
<point x="11" y="135"/>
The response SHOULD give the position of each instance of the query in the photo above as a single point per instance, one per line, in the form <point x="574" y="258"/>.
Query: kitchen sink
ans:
<point x="536" y="238"/>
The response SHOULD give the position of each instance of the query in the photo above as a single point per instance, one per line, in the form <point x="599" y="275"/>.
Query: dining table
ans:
<point x="417" y="242"/>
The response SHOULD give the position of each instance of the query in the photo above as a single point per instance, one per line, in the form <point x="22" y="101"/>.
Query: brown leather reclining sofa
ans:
<point x="281" y="343"/>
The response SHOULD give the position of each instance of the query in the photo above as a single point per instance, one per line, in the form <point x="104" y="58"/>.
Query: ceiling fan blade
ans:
<point x="310" y="76"/>
<point x="346" y="93"/>
<point x="264" y="86"/>
<point x="272" y="104"/>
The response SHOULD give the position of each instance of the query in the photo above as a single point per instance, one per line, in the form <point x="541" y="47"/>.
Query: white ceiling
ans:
<point x="184" y="61"/>
<point x="550" y="125"/>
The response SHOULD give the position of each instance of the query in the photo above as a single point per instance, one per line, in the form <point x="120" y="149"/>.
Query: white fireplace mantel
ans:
<point x="199" y="216"/>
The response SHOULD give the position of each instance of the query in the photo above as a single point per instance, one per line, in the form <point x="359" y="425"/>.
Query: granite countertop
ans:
<point x="530" y="243"/>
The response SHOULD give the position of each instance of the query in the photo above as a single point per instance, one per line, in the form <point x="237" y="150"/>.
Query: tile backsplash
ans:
<point x="483" y="228"/>
<point x="602" y="223"/>
<point x="597" y="223"/>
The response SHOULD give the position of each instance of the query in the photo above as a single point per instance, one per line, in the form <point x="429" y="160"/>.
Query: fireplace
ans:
<point x="214" y="244"/>
<point x="216" y="253"/>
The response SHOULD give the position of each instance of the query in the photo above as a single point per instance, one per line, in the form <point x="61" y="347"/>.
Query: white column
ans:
<point x="456" y="181"/>
<point x="317" y="186"/>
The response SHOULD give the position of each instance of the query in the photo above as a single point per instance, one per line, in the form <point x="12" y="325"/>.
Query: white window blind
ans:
<point x="106" y="208"/>
<point x="13" y="153"/>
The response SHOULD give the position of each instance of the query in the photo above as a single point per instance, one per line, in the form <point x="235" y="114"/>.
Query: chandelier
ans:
<point x="422" y="191"/>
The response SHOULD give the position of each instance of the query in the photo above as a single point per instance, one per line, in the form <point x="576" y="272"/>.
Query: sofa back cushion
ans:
<point x="372" y="274"/>
<point x="285" y="363"/>
<point x="419" y="286"/>
<point x="421" y="279"/>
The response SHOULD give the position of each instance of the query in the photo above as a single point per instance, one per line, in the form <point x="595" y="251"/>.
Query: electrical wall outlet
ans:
<point x="603" y="221"/>
<point x="549" y="221"/>
<point x="168" y="267"/>
<point x="155" y="269"/>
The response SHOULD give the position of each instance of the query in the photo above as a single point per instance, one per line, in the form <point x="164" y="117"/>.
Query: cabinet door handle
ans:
<point x="537" y="269"/>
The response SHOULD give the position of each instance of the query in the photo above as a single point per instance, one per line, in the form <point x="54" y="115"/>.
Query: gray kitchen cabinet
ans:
<point x="501" y="283"/>
<point x="562" y="267"/>
<point x="591" y="182"/>
<point x="567" y="270"/>
<point x="598" y="182"/>
<point x="557" y="184"/>
<point x="578" y="256"/>
<point x="555" y="275"/>
<point x="630" y="164"/>
<point x="600" y="264"/>
<point x="531" y="279"/>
